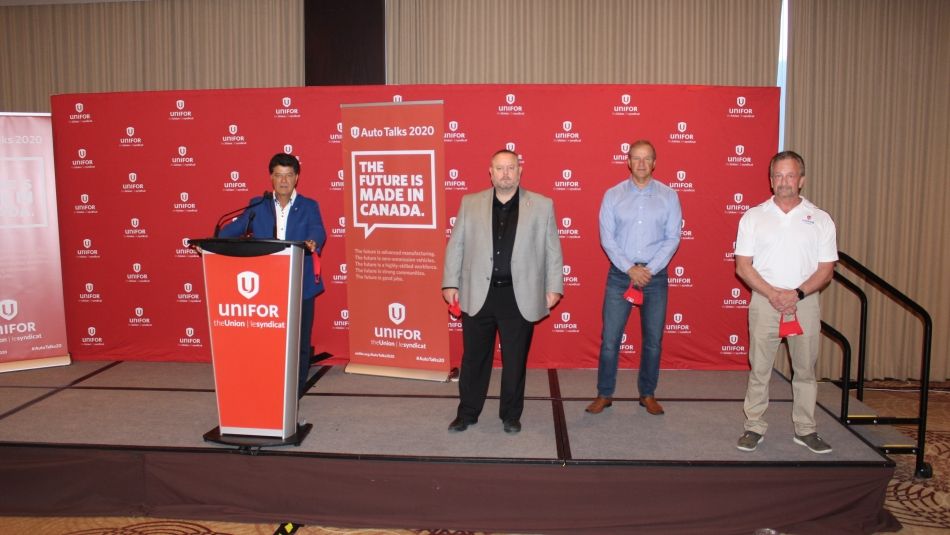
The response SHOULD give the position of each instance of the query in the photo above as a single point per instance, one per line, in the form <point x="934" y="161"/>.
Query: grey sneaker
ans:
<point x="749" y="440"/>
<point x="813" y="442"/>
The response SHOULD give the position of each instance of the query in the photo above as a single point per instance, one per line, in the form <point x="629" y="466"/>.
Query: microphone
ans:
<point x="217" y="227"/>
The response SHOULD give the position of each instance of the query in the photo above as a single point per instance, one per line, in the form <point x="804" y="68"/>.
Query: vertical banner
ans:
<point x="32" y="319"/>
<point x="395" y="240"/>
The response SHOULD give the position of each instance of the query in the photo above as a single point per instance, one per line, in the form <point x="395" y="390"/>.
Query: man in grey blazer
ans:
<point x="503" y="267"/>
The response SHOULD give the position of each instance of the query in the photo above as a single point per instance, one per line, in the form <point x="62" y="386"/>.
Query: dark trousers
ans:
<point x="306" y="325"/>
<point x="499" y="314"/>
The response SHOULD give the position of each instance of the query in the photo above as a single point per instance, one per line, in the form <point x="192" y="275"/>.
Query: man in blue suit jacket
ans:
<point x="287" y="215"/>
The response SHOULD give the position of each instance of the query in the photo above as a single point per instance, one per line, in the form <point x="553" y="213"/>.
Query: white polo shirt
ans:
<point x="786" y="248"/>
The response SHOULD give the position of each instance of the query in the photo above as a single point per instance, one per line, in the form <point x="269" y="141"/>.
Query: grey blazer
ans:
<point x="536" y="260"/>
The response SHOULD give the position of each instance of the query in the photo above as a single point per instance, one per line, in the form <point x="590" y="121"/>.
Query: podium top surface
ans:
<point x="244" y="246"/>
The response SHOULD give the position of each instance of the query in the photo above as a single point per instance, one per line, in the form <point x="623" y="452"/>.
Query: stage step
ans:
<point x="881" y="436"/>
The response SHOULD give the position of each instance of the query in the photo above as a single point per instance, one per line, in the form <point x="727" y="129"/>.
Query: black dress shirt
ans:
<point x="504" y="224"/>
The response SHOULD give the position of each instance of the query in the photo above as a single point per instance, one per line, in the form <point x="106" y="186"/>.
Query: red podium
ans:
<point x="253" y="289"/>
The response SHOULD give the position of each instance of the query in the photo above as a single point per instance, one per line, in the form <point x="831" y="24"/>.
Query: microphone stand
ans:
<point x="217" y="227"/>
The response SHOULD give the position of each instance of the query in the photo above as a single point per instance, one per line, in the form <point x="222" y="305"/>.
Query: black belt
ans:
<point x="500" y="283"/>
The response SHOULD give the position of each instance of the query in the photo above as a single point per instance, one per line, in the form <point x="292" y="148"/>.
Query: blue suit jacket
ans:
<point x="303" y="223"/>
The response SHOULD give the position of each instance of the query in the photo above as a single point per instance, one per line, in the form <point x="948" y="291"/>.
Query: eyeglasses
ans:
<point x="283" y="175"/>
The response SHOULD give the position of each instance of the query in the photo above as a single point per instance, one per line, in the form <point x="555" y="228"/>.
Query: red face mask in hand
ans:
<point x="788" y="326"/>
<point x="634" y="295"/>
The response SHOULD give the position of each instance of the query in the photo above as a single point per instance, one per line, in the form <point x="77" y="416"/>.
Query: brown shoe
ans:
<point x="599" y="404"/>
<point x="650" y="404"/>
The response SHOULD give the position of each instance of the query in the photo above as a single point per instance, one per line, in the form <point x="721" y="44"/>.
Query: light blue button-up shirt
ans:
<point x="640" y="225"/>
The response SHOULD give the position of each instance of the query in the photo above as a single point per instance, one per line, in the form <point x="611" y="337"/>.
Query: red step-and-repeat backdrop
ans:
<point x="138" y="173"/>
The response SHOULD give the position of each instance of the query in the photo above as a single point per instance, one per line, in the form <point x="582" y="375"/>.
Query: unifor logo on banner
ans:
<point x="510" y="98"/>
<point x="248" y="284"/>
<point x="89" y="287"/>
<point x="679" y="270"/>
<point x="79" y="107"/>
<point x="397" y="98"/>
<point x="740" y="150"/>
<point x="453" y="125"/>
<point x="740" y="101"/>
<point x="345" y="314"/>
<point x="510" y="146"/>
<point x="285" y="101"/>
<point x="566" y="222"/>
<point x="681" y="126"/>
<point x="84" y="198"/>
<point x="681" y="175"/>
<point x="81" y="153"/>
<point x="137" y="267"/>
<point x="184" y="198"/>
<point x="566" y="269"/>
<point x="86" y="243"/>
<point x="354" y="132"/>
<point x="567" y="125"/>
<point x="288" y="148"/>
<point x="233" y="128"/>
<point x="733" y="339"/>
<point x="625" y="148"/>
<point x="139" y="311"/>
<point x="8" y="309"/>
<point x="565" y="317"/>
<point x="189" y="331"/>
<point x="397" y="313"/>
<point x="188" y="286"/>
<point x="130" y="131"/>
<point x="735" y="294"/>
<point x="625" y="99"/>
<point x="182" y="150"/>
<point x="91" y="331"/>
<point x="180" y="104"/>
<point x="737" y="197"/>
<point x="677" y="318"/>
<point x="133" y="177"/>
<point x="135" y="222"/>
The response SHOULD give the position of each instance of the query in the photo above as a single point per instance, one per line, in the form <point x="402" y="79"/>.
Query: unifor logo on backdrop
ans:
<point x="343" y="322"/>
<point x="565" y="325"/>
<point x="621" y="157"/>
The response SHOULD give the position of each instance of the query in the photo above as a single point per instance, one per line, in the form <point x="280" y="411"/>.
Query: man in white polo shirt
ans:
<point x="786" y="252"/>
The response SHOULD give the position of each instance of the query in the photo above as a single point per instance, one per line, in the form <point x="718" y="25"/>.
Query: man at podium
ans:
<point x="288" y="215"/>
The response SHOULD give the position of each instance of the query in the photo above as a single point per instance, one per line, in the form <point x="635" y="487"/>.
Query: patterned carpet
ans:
<point x="921" y="505"/>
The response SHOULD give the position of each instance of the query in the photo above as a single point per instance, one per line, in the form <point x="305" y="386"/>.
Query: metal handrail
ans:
<point x="836" y="335"/>
<point x="862" y="336"/>
<point x="922" y="469"/>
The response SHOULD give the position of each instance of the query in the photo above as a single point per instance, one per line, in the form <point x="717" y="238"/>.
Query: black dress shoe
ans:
<point x="512" y="426"/>
<point x="458" y="425"/>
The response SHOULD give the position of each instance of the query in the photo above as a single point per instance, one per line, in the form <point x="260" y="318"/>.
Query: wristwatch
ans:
<point x="801" y="294"/>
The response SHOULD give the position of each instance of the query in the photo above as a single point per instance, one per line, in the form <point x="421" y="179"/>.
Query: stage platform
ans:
<point x="125" y="438"/>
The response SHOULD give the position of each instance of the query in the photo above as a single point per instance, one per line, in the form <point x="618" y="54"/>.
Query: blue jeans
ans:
<point x="652" y="322"/>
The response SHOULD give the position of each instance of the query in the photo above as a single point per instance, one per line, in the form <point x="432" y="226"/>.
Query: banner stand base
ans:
<point x="31" y="364"/>
<point x="403" y="373"/>
<point x="248" y="443"/>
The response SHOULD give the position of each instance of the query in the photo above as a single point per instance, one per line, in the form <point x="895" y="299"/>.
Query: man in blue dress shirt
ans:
<point x="640" y="221"/>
